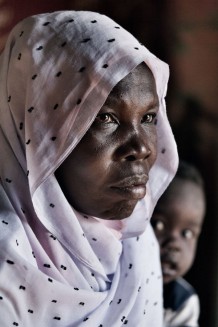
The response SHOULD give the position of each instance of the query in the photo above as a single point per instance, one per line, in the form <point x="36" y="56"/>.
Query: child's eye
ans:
<point x="149" y="118"/>
<point x="105" y="118"/>
<point x="158" y="225"/>
<point x="188" y="234"/>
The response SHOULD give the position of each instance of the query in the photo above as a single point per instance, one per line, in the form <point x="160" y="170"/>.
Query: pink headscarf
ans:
<point x="59" y="268"/>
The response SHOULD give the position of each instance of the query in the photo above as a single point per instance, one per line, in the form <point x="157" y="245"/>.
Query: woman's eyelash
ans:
<point x="105" y="118"/>
<point x="149" y="118"/>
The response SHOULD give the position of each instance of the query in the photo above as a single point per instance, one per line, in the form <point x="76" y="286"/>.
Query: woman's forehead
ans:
<point x="138" y="80"/>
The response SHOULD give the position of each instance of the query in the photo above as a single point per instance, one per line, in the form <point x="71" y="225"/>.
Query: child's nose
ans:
<point x="173" y="241"/>
<point x="173" y="247"/>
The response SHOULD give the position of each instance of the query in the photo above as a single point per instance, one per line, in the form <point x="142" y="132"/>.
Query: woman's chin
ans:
<point x="120" y="211"/>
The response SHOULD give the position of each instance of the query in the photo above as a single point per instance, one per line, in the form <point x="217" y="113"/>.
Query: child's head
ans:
<point x="177" y="221"/>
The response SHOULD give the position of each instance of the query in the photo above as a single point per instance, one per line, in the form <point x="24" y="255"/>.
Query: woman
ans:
<point x="83" y="123"/>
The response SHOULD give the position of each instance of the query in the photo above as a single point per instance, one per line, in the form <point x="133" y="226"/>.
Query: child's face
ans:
<point x="177" y="222"/>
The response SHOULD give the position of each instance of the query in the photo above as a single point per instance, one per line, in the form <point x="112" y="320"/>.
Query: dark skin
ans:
<point x="177" y="222"/>
<point x="106" y="174"/>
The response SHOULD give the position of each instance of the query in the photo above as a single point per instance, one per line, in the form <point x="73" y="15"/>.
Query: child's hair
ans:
<point x="188" y="172"/>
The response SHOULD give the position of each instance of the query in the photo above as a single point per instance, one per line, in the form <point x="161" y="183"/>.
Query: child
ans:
<point x="177" y="222"/>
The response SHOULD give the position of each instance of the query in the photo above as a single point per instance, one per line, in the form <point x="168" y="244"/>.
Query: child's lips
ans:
<point x="168" y="269"/>
<point x="169" y="263"/>
<point x="170" y="258"/>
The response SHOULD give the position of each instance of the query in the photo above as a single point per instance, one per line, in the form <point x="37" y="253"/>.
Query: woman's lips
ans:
<point x="133" y="187"/>
<point x="134" y="192"/>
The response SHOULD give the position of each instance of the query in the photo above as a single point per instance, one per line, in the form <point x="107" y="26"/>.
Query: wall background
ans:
<point x="184" y="33"/>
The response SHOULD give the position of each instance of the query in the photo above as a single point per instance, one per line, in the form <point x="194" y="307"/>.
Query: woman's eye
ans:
<point x="105" y="118"/>
<point x="188" y="234"/>
<point x="148" y="118"/>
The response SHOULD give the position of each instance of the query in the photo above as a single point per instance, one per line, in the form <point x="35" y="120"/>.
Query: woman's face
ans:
<point x="106" y="174"/>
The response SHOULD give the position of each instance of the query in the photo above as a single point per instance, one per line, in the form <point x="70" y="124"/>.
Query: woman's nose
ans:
<point x="134" y="147"/>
